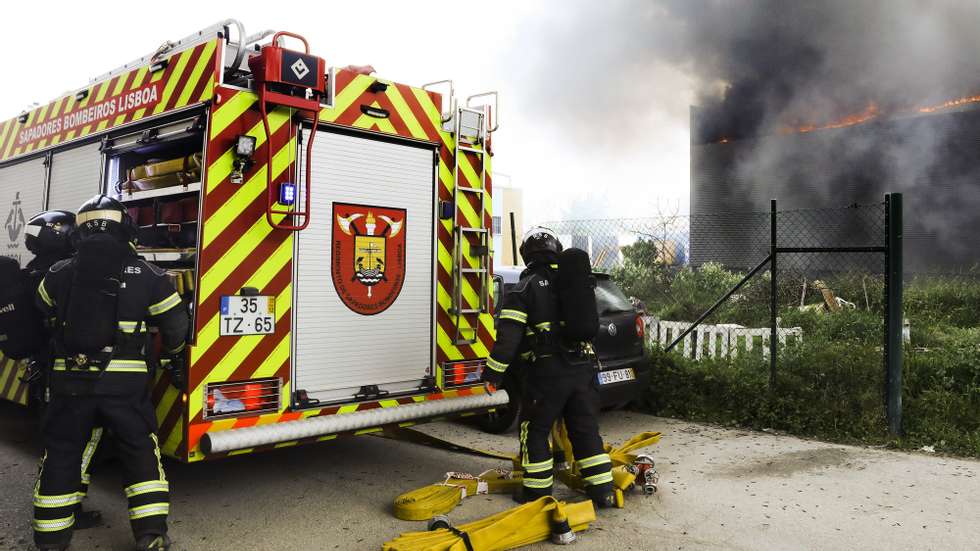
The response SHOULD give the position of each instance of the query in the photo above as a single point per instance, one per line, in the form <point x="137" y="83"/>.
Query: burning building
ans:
<point x="930" y="154"/>
<point x="825" y="104"/>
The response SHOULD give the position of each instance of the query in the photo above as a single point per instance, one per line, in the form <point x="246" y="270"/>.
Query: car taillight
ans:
<point x="639" y="326"/>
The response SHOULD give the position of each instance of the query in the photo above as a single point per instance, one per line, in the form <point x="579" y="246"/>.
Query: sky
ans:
<point x="589" y="126"/>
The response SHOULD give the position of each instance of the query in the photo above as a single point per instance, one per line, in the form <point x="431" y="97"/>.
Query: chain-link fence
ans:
<point x="706" y="285"/>
<point x="842" y="328"/>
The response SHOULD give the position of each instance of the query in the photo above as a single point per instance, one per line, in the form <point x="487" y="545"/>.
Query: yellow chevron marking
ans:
<point x="238" y="354"/>
<point x="103" y="91"/>
<point x="429" y="108"/>
<point x="445" y="342"/>
<point x="166" y="402"/>
<point x="195" y="77"/>
<point x="367" y="121"/>
<point x="55" y="112"/>
<point x="406" y="114"/>
<point x="177" y="432"/>
<point x="155" y="78"/>
<point x="168" y="89"/>
<point x="34" y="118"/>
<point x="13" y="140"/>
<point x="349" y="408"/>
<point x="445" y="302"/>
<point x="271" y="364"/>
<point x="346" y="97"/>
<point x="209" y="333"/>
<point x="241" y="452"/>
<point x="255" y="234"/>
<point x="5" y="130"/>
<point x="222" y="166"/>
<point x="446" y="177"/>
<point x="137" y="80"/>
<point x="229" y="111"/>
<point x="78" y="105"/>
<point x="120" y="85"/>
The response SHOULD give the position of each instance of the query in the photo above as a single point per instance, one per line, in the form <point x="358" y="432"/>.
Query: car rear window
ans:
<point x="610" y="298"/>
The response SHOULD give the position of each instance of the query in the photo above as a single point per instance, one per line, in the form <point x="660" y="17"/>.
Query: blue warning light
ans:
<point x="287" y="193"/>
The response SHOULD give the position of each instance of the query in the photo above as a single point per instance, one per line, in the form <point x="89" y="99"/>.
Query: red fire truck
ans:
<point x="327" y="229"/>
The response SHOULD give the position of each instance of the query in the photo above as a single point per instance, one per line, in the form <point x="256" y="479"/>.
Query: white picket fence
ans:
<point x="716" y="341"/>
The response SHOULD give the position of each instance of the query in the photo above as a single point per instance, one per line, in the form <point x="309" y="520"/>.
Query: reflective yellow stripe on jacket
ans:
<point x="115" y="366"/>
<point x="164" y="305"/>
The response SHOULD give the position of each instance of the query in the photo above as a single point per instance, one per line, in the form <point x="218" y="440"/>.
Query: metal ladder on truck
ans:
<point x="471" y="131"/>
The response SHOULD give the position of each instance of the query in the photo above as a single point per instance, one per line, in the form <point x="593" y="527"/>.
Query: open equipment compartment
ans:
<point x="157" y="172"/>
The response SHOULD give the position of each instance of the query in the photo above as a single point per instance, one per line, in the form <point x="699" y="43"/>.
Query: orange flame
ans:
<point x="870" y="112"/>
<point x="950" y="104"/>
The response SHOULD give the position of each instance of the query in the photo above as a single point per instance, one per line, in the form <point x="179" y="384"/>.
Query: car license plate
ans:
<point x="254" y="315"/>
<point x="616" y="376"/>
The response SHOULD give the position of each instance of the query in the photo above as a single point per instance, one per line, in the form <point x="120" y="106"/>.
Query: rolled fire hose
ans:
<point x="438" y="499"/>
<point x="516" y="527"/>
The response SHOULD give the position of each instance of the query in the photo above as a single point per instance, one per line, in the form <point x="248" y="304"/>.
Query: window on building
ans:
<point x="496" y="225"/>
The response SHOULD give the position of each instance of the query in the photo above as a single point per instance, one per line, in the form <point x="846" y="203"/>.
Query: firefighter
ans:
<point x="48" y="236"/>
<point x="560" y="379"/>
<point x="102" y="302"/>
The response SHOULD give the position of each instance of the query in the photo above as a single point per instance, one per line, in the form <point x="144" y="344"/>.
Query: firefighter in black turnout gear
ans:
<point x="102" y="303"/>
<point x="560" y="379"/>
<point x="22" y="332"/>
<point x="48" y="237"/>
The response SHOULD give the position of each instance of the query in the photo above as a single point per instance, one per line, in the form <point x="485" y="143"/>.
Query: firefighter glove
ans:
<point x="492" y="377"/>
<point x="176" y="366"/>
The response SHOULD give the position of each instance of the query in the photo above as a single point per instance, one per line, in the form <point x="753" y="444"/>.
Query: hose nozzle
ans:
<point x="561" y="531"/>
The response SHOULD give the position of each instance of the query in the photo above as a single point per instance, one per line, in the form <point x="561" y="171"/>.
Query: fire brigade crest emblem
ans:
<point x="368" y="256"/>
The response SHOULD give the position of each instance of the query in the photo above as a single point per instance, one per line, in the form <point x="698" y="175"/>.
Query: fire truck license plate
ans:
<point x="247" y="315"/>
<point x="616" y="376"/>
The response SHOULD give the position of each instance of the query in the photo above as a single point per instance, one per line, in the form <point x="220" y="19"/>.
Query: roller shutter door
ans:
<point x="337" y="349"/>
<point x="75" y="177"/>
<point x="21" y="196"/>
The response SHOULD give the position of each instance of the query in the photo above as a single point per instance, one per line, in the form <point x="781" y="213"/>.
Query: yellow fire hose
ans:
<point x="438" y="499"/>
<point x="522" y="525"/>
<point x="624" y="462"/>
<point x="529" y="523"/>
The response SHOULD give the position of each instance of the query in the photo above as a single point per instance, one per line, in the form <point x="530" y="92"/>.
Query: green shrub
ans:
<point x="830" y="385"/>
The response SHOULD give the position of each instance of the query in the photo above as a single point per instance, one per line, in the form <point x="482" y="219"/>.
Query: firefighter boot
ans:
<point x="606" y="501"/>
<point x="153" y="542"/>
<point x="87" y="519"/>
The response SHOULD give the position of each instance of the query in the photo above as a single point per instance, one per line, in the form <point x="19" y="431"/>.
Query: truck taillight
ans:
<point x="462" y="372"/>
<point x="254" y="396"/>
<point x="640" y="327"/>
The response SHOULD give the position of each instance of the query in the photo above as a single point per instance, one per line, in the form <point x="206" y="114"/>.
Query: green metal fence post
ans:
<point x="893" y="312"/>
<point x="773" y="302"/>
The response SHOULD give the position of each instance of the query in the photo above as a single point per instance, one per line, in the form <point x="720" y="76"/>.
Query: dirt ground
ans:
<point x="720" y="489"/>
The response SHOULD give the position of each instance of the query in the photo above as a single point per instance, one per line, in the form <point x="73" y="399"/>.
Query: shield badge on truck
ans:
<point x="368" y="256"/>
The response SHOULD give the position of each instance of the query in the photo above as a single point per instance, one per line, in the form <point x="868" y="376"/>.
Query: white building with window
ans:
<point x="507" y="199"/>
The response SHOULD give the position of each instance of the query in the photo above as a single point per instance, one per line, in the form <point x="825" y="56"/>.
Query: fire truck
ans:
<point x="328" y="230"/>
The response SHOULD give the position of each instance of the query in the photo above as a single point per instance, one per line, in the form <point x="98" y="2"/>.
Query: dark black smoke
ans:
<point x="603" y="68"/>
<point x="766" y="64"/>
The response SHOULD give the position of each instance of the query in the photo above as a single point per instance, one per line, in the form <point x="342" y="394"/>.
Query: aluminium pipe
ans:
<point x="274" y="433"/>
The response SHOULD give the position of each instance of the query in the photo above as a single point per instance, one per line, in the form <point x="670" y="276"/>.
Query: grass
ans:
<point x="831" y="384"/>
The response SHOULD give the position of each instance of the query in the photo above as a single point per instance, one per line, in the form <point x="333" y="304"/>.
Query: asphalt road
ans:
<point x="720" y="489"/>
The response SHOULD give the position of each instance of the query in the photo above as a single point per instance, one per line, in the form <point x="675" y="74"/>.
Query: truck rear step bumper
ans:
<point x="260" y="435"/>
